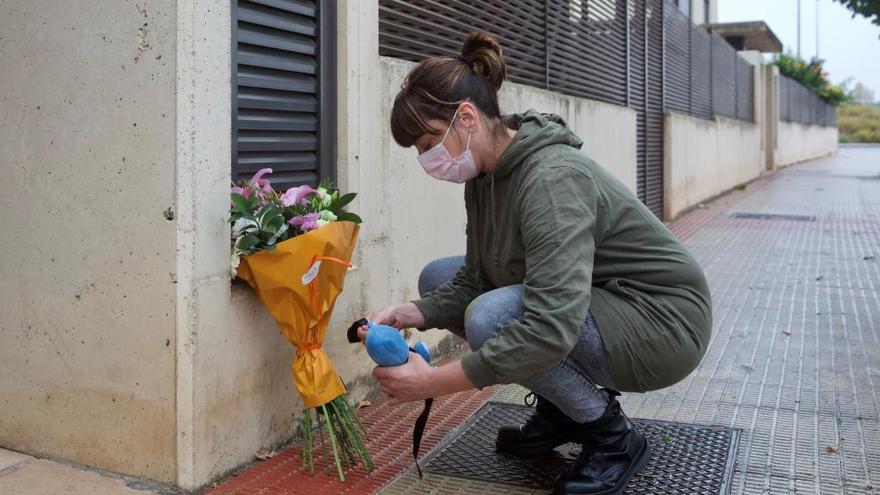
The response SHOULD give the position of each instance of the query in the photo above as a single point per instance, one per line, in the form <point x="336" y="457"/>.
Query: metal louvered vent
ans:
<point x="283" y="107"/>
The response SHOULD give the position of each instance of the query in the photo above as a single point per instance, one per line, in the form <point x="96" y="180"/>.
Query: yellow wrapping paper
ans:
<point x="299" y="283"/>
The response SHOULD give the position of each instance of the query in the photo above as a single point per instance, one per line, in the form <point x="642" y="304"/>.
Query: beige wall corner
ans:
<point x="87" y="148"/>
<point x="205" y="327"/>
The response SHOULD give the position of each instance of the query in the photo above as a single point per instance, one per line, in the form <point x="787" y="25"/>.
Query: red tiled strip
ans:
<point x="389" y="441"/>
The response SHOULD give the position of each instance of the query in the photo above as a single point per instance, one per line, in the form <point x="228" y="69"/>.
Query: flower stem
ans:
<point x="333" y="441"/>
<point x="309" y="433"/>
<point x="345" y="415"/>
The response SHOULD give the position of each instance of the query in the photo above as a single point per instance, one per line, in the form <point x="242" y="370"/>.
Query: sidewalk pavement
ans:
<point x="793" y="262"/>
<point x="25" y="475"/>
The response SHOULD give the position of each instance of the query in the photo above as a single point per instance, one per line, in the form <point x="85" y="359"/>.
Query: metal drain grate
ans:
<point x="686" y="458"/>
<point x="774" y="216"/>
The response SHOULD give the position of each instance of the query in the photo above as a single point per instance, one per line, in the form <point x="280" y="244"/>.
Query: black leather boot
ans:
<point x="614" y="451"/>
<point x="546" y="429"/>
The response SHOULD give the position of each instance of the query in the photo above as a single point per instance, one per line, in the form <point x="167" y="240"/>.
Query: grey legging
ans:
<point x="570" y="384"/>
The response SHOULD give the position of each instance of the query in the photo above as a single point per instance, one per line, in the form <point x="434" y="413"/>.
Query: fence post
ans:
<point x="690" y="69"/>
<point x="662" y="4"/>
<point x="547" y="44"/>
<point x="626" y="40"/>
<point x="712" y="78"/>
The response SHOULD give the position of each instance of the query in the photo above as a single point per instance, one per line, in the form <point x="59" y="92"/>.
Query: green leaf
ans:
<point x="240" y="204"/>
<point x="277" y="222"/>
<point x="345" y="199"/>
<point x="247" y="242"/>
<point x="266" y="215"/>
<point x="347" y="216"/>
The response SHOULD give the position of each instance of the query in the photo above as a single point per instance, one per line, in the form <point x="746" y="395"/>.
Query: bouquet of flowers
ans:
<point x="295" y="249"/>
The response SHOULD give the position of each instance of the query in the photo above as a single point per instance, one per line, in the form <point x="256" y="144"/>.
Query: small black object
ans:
<point x="419" y="431"/>
<point x="353" y="331"/>
<point x="467" y="61"/>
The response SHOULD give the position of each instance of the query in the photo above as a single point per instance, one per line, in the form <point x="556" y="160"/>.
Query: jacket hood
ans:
<point x="535" y="131"/>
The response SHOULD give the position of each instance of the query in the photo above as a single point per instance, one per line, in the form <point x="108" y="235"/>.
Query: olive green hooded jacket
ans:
<point x="552" y="219"/>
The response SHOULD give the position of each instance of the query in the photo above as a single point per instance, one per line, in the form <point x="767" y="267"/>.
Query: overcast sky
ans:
<point x="850" y="46"/>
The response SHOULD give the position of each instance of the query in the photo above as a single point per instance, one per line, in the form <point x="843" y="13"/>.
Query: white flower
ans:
<point x="325" y="197"/>
<point x="236" y="260"/>
<point x="327" y="216"/>
<point x="243" y="225"/>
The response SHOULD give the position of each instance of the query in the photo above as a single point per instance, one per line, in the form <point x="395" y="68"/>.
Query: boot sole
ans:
<point x="529" y="450"/>
<point x="643" y="457"/>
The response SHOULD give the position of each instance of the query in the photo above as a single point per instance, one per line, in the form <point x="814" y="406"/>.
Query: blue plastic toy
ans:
<point x="386" y="346"/>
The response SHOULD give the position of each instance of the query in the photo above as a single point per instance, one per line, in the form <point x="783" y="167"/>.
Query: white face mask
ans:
<point x="438" y="163"/>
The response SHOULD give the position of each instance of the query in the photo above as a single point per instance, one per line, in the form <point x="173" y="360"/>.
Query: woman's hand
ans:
<point x="406" y="315"/>
<point x="407" y="382"/>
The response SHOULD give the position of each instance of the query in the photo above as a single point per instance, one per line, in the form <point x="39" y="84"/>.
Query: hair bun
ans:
<point x="484" y="52"/>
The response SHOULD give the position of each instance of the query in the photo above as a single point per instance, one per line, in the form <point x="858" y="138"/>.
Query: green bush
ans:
<point x="858" y="124"/>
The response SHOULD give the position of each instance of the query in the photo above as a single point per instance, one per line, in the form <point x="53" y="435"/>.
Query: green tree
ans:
<point x="870" y="9"/>
<point x="862" y="95"/>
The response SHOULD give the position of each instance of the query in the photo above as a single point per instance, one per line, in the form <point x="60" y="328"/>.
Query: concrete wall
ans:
<point x="698" y="11"/>
<point x="799" y="142"/>
<point x="608" y="131"/>
<point x="240" y="396"/>
<point x="88" y="152"/>
<point x="703" y="158"/>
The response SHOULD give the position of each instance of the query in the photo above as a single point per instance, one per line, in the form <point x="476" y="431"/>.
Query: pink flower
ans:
<point x="306" y="222"/>
<point x="244" y="191"/>
<point x="296" y="195"/>
<point x="260" y="181"/>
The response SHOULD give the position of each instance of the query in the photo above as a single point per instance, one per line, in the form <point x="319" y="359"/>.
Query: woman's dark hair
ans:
<point x="436" y="86"/>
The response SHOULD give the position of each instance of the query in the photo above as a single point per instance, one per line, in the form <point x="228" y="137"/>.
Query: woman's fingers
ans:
<point x="362" y="333"/>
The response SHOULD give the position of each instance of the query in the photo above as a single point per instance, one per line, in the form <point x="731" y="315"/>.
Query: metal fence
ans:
<point x="704" y="74"/>
<point x="800" y="104"/>
<point x="644" y="54"/>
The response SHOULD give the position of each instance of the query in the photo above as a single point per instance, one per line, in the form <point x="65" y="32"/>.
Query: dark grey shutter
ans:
<point x="284" y="88"/>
